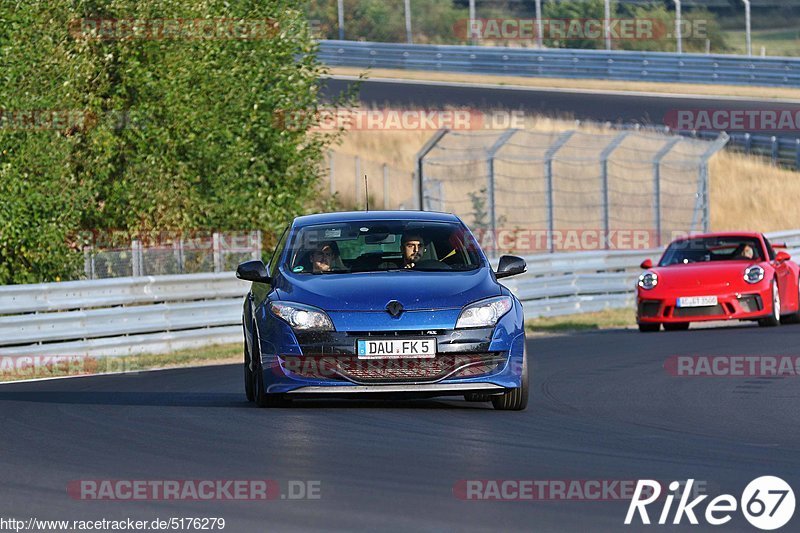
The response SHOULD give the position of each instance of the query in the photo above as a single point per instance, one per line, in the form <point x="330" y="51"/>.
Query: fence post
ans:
<point x="257" y="250"/>
<point x="419" y="190"/>
<point x="660" y="155"/>
<point x="703" y="195"/>
<point x="490" y="197"/>
<point x="358" y="179"/>
<point x="797" y="154"/>
<point x="748" y="143"/>
<point x="774" y="150"/>
<point x="88" y="262"/>
<point x="217" y="252"/>
<point x="385" y="186"/>
<point x="332" y="171"/>
<point x="179" y="253"/>
<point x="604" y="155"/>
<point x="548" y="174"/>
<point x="136" y="258"/>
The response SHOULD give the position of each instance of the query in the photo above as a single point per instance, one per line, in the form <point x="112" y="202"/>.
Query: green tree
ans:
<point x="569" y="11"/>
<point x="698" y="26"/>
<point x="432" y="21"/>
<point x="179" y="133"/>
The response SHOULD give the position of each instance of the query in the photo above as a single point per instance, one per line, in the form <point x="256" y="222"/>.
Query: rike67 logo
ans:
<point x="767" y="503"/>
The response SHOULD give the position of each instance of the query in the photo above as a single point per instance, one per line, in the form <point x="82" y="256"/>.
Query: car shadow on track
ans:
<point x="337" y="403"/>
<point x="160" y="399"/>
<point x="236" y="400"/>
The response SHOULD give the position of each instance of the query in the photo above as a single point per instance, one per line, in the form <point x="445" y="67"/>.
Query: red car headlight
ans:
<point x="648" y="280"/>
<point x="753" y="274"/>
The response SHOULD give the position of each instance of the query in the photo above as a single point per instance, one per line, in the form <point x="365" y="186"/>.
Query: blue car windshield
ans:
<point x="382" y="245"/>
<point x="707" y="249"/>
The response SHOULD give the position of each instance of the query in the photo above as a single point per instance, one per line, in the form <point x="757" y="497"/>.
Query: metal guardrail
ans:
<point x="121" y="316"/>
<point x="124" y="316"/>
<point x="567" y="63"/>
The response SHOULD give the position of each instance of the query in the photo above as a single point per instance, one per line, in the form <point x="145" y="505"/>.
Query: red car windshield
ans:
<point x="711" y="249"/>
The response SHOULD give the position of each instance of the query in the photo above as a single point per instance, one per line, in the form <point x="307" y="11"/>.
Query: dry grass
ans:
<point x="60" y="367"/>
<point x="746" y="192"/>
<point x="609" y="318"/>
<point x="750" y="194"/>
<point x="759" y="93"/>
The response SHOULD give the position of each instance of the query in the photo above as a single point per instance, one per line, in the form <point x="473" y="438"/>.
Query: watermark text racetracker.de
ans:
<point x="67" y="120"/>
<point x="733" y="120"/>
<point x="551" y="489"/>
<point x="577" y="239"/>
<point x="570" y="29"/>
<point x="159" y="29"/>
<point x="14" y="367"/>
<point x="733" y="366"/>
<point x="329" y="119"/>
<point x="194" y="489"/>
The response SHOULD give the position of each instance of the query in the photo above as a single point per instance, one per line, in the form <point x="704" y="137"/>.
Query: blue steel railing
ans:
<point x="567" y="63"/>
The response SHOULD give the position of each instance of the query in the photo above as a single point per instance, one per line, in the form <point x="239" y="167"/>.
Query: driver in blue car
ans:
<point x="412" y="245"/>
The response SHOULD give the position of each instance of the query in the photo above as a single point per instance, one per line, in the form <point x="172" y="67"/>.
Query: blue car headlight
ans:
<point x="484" y="313"/>
<point x="302" y="317"/>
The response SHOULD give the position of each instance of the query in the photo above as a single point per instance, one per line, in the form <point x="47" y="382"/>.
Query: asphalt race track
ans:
<point x="598" y="106"/>
<point x="603" y="407"/>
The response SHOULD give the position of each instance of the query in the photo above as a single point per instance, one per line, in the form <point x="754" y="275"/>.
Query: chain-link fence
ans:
<point x="552" y="187"/>
<point x="213" y="252"/>
<point x="389" y="187"/>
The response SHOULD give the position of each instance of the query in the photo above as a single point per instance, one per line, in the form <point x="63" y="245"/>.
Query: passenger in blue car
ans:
<point x="325" y="258"/>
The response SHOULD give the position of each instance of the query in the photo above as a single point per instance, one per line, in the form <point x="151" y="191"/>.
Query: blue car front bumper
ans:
<point x="481" y="360"/>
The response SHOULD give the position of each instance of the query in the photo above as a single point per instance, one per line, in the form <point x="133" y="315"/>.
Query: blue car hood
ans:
<point x="371" y="291"/>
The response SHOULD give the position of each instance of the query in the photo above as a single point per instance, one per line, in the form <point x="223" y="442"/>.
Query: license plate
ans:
<point x="697" y="301"/>
<point x="395" y="348"/>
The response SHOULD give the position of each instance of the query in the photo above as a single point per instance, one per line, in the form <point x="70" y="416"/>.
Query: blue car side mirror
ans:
<point x="510" y="265"/>
<point x="254" y="271"/>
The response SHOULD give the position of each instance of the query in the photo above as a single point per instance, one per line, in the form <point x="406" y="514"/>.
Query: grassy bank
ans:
<point x="610" y="318"/>
<point x="37" y="367"/>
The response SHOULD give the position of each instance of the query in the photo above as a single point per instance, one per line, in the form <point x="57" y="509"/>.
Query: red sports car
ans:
<point x="718" y="276"/>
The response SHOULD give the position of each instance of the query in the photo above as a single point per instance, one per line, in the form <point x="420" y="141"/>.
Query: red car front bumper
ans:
<point x="660" y="308"/>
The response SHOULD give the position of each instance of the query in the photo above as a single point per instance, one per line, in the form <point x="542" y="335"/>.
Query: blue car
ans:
<point x="386" y="303"/>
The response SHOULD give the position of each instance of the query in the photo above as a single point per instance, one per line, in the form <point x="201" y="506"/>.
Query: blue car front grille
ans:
<point x="351" y="368"/>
